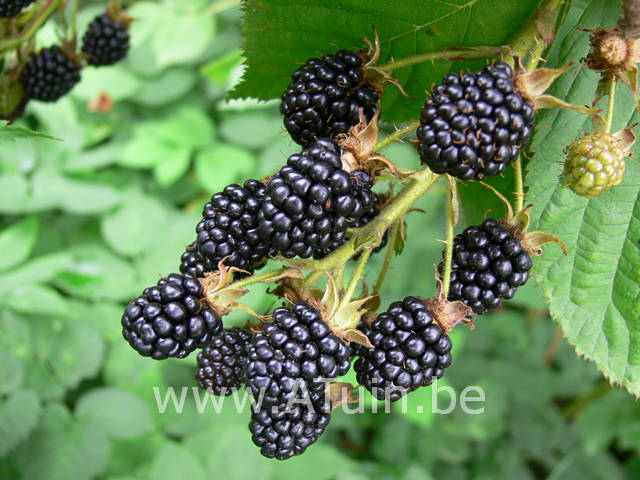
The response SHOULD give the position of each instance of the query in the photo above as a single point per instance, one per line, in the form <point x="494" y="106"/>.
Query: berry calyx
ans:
<point x="221" y="363"/>
<point x="106" y="41"/>
<point x="326" y="96"/>
<point x="595" y="163"/>
<point x="169" y="319"/>
<point x="410" y="350"/>
<point x="49" y="74"/>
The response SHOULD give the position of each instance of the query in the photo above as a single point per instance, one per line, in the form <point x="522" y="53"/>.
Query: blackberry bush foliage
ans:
<point x="326" y="96"/>
<point x="327" y="206"/>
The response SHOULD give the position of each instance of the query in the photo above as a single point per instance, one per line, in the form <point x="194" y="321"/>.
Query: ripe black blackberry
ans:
<point x="229" y="227"/>
<point x="474" y="124"/>
<point x="49" y="75"/>
<point x="489" y="264"/>
<point x="325" y="97"/>
<point x="192" y="263"/>
<point x="292" y="353"/>
<point x="169" y="320"/>
<point x="312" y="201"/>
<point x="106" y="41"/>
<point x="11" y="8"/>
<point x="409" y="351"/>
<point x="283" y="432"/>
<point x="221" y="363"/>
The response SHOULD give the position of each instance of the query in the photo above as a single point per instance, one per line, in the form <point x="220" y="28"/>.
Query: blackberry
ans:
<point x="489" y="264"/>
<point x="311" y="202"/>
<point x="11" y="8"/>
<point x="49" y="75"/>
<point x="169" y="320"/>
<point x="106" y="41"/>
<point x="222" y="362"/>
<point x="285" y="431"/>
<point x="194" y="264"/>
<point x="325" y="97"/>
<point x="229" y="227"/>
<point x="594" y="164"/>
<point x="409" y="351"/>
<point x="474" y="124"/>
<point x="296" y="350"/>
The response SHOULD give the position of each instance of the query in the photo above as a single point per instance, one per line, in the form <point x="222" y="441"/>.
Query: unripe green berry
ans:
<point x="594" y="164"/>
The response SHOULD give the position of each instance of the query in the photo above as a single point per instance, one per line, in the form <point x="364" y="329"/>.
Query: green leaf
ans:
<point x="77" y="353"/>
<point x="299" y="29"/>
<point x="17" y="241"/>
<point x="218" y="70"/>
<point x="118" y="413"/>
<point x="35" y="299"/>
<point x="18" y="417"/>
<point x="38" y="270"/>
<point x="61" y="449"/>
<point x="132" y="228"/>
<point x="594" y="292"/>
<point x="115" y="81"/>
<point x="11" y="373"/>
<point x="222" y="164"/>
<point x="11" y="134"/>
<point x="265" y="127"/>
<point x="166" y="88"/>
<point x="175" y="461"/>
<point x="170" y="169"/>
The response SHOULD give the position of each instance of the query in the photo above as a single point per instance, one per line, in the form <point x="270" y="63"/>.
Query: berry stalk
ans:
<point x="397" y="135"/>
<point x="356" y="276"/>
<point x="451" y="222"/>
<point x="388" y="256"/>
<point x="611" y="104"/>
<point x="461" y="53"/>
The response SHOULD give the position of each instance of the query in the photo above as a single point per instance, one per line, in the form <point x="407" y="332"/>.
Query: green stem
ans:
<point x="450" y="54"/>
<point x="262" y="278"/>
<point x="448" y="255"/>
<point x="397" y="135"/>
<point x="312" y="278"/>
<point x="610" y="107"/>
<point x="388" y="256"/>
<point x="519" y="184"/>
<point x="527" y="40"/>
<point x="356" y="276"/>
<point x="221" y="6"/>
<point x="31" y="28"/>
<point x="74" y="19"/>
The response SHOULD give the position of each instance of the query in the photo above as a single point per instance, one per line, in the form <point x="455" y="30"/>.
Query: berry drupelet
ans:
<point x="312" y="201"/>
<point x="474" y="124"/>
<point x="11" y="8"/>
<point x="488" y="264"/>
<point x="229" y="227"/>
<point x="106" y="41"/>
<point x="325" y="97"/>
<point x="49" y="75"/>
<point x="221" y="364"/>
<point x="292" y="353"/>
<point x="410" y="350"/>
<point x="192" y="263"/>
<point x="169" y="320"/>
<point x="283" y="432"/>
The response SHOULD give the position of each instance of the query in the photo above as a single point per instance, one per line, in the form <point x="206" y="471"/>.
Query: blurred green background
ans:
<point x="87" y="222"/>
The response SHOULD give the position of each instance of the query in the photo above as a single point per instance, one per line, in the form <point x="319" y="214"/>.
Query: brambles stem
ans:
<point x="611" y="104"/>
<point x="31" y="28"/>
<point x="462" y="53"/>
<point x="388" y="256"/>
<point x="356" y="276"/>
<point x="263" y="277"/>
<point x="397" y="135"/>
<point x="448" y="255"/>
<point x="519" y="194"/>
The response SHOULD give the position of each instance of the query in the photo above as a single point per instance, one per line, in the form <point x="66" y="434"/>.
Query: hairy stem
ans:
<point x="388" y="256"/>
<point x="519" y="194"/>
<point x="356" y="276"/>
<point x="262" y="278"/>
<point x="31" y="28"/>
<point x="397" y="135"/>
<point x="448" y="253"/>
<point x="542" y="23"/>
<point x="450" y="54"/>
<point x="611" y="104"/>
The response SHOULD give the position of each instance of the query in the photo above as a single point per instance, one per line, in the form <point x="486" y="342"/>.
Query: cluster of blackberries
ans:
<point x="474" y="124"/>
<point x="326" y="96"/>
<point x="52" y="72"/>
<point x="489" y="264"/>
<point x="312" y="201"/>
<point x="11" y="8"/>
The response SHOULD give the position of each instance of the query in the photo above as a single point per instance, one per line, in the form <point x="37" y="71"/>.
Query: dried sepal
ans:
<point x="448" y="314"/>
<point x="551" y="102"/>
<point x="532" y="85"/>
<point x="117" y="13"/>
<point x="532" y="242"/>
<point x="341" y="392"/>
<point x="626" y="139"/>
<point x="221" y="295"/>
<point x="295" y="289"/>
